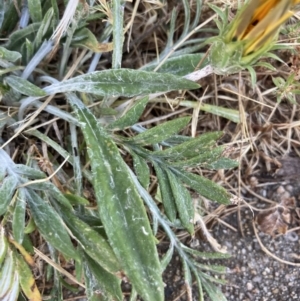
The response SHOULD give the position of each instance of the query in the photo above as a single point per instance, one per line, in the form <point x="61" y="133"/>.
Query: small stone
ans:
<point x="249" y="286"/>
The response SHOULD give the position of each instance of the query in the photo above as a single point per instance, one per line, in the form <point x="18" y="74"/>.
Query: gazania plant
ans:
<point x="251" y="34"/>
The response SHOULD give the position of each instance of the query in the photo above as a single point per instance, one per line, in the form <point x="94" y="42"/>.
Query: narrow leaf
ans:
<point x="92" y="242"/>
<point x="6" y="275"/>
<point x="161" y="132"/>
<point x="27" y="282"/>
<point x="7" y="190"/>
<point x="10" y="56"/>
<point x="122" y="82"/>
<point x="76" y="200"/>
<point x="18" y="38"/>
<point x="3" y="245"/>
<point x="213" y="292"/>
<point x="121" y="209"/>
<point x="184" y="202"/>
<point x="35" y="10"/>
<point x="50" y="225"/>
<point x="190" y="148"/>
<point x="206" y="157"/>
<point x="23" y="86"/>
<point x="206" y="255"/>
<point x="110" y="285"/>
<point x="166" y="192"/>
<point x="180" y="65"/>
<point x="205" y="187"/>
<point x="131" y="116"/>
<point x="28" y="172"/>
<point x="167" y="258"/>
<point x="18" y="224"/>
<point x="118" y="33"/>
<point x="222" y="163"/>
<point x="141" y="169"/>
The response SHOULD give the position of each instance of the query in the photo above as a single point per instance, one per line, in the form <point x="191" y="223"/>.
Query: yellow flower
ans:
<point x="259" y="22"/>
<point x="251" y="34"/>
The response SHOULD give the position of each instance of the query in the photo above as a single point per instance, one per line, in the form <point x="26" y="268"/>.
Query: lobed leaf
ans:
<point x="121" y="209"/>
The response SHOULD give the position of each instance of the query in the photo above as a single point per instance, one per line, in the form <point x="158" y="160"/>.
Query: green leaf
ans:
<point x="91" y="283"/>
<point x="213" y="292"/>
<point x="222" y="163"/>
<point x="187" y="276"/>
<point x="211" y="267"/>
<point x="167" y="258"/>
<point x="23" y="86"/>
<point x="44" y="27"/>
<point x="121" y="209"/>
<point x="161" y="132"/>
<point x="109" y="284"/>
<point x="166" y="192"/>
<point x="266" y="65"/>
<point x="206" y="157"/>
<point x="18" y="223"/>
<point x="252" y="75"/>
<point x="27" y="282"/>
<point x="122" y="82"/>
<point x="199" y="284"/>
<point x="184" y="202"/>
<point x="205" y="187"/>
<point x="10" y="56"/>
<point x="227" y="113"/>
<point x="190" y="148"/>
<point x="118" y="33"/>
<point x="180" y="65"/>
<point x="206" y="255"/>
<point x="50" y="225"/>
<point x="131" y="116"/>
<point x="27" y="244"/>
<point x="141" y="169"/>
<point x="3" y="245"/>
<point x="212" y="279"/>
<point x="7" y="190"/>
<point x="18" y="38"/>
<point x="28" y="172"/>
<point x="11" y="18"/>
<point x="76" y="199"/>
<point x="6" y="275"/>
<point x="92" y="242"/>
<point x="85" y="38"/>
<point x="35" y="9"/>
